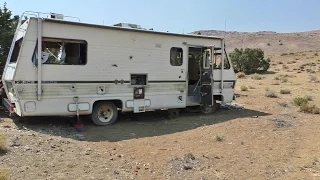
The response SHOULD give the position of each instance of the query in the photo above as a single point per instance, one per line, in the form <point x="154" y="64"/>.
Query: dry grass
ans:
<point x="284" y="104"/>
<point x="308" y="97"/>
<point x="271" y="93"/>
<point x="256" y="77"/>
<point x="313" y="78"/>
<point x="244" y="88"/>
<point x="285" y="67"/>
<point x="4" y="174"/>
<point x="241" y="75"/>
<point x="284" y="79"/>
<point x="305" y="106"/>
<point x="3" y="144"/>
<point x="309" y="108"/>
<point x="285" y="91"/>
<point x="275" y="83"/>
<point x="219" y="138"/>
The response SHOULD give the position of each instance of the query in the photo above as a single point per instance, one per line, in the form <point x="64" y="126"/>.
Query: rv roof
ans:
<point x="130" y="29"/>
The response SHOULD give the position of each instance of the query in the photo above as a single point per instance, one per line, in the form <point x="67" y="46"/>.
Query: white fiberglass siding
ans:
<point x="107" y="47"/>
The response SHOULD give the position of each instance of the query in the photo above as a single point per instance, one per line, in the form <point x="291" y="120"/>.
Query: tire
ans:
<point x="104" y="113"/>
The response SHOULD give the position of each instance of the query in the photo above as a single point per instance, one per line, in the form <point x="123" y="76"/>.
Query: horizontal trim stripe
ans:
<point x="106" y="82"/>
<point x="95" y="82"/>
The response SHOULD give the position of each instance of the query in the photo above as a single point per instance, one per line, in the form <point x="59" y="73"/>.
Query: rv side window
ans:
<point x="176" y="56"/>
<point x="16" y="50"/>
<point x="62" y="52"/>
<point x="218" y="62"/>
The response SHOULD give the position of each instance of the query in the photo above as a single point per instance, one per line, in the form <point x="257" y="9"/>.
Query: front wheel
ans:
<point x="104" y="113"/>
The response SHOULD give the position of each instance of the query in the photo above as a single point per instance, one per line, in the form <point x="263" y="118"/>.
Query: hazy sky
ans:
<point x="186" y="15"/>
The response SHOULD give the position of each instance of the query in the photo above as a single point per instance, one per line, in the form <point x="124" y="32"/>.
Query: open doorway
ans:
<point x="194" y="70"/>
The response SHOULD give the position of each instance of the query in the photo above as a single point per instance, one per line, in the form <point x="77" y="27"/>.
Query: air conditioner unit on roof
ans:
<point x="56" y="16"/>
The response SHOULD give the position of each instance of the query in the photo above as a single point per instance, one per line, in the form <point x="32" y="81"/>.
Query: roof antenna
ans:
<point x="225" y="32"/>
<point x="225" y="27"/>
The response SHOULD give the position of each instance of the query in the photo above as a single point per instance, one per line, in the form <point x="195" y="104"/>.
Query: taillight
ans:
<point x="12" y="107"/>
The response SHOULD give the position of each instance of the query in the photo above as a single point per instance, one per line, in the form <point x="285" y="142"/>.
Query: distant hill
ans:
<point x="269" y="41"/>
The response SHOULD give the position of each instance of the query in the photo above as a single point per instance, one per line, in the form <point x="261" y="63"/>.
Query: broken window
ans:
<point x="176" y="56"/>
<point x="218" y="62"/>
<point x="62" y="52"/>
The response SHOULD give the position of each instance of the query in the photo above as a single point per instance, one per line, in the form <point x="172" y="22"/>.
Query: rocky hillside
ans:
<point x="272" y="43"/>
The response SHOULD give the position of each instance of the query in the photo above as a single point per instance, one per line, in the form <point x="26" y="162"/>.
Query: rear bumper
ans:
<point x="7" y="103"/>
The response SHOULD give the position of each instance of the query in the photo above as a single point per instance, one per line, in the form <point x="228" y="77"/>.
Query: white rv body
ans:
<point x="104" y="64"/>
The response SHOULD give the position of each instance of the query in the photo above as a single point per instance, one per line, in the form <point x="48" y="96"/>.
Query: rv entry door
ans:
<point x="207" y="78"/>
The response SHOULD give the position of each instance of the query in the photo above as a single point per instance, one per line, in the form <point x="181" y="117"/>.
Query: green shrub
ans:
<point x="249" y="60"/>
<point x="299" y="101"/>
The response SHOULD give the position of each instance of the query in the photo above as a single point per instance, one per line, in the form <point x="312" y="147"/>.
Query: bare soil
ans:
<point x="268" y="139"/>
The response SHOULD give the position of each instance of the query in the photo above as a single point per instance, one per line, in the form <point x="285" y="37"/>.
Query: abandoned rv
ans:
<point x="98" y="70"/>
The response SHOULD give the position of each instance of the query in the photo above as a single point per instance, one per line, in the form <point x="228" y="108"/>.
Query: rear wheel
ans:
<point x="104" y="113"/>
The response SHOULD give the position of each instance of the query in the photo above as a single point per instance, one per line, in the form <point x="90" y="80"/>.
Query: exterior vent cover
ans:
<point x="128" y="25"/>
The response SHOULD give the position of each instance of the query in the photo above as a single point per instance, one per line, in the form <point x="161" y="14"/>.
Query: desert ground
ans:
<point x="270" y="137"/>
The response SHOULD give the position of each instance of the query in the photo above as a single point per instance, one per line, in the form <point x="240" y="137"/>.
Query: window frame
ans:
<point x="175" y="60"/>
<point x="66" y="39"/>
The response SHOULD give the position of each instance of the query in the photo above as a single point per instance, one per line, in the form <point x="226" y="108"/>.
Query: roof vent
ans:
<point x="128" y="25"/>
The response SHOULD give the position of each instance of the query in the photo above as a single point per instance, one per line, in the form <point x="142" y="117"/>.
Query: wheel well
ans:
<point x="117" y="102"/>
